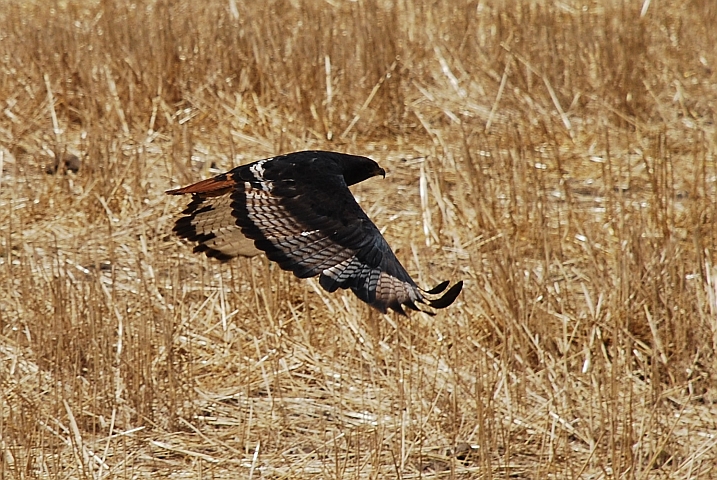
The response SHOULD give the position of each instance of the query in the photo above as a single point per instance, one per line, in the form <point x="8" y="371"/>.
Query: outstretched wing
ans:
<point x="209" y="222"/>
<point x="303" y="217"/>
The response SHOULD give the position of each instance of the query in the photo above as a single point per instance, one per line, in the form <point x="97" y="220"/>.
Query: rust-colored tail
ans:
<point x="218" y="185"/>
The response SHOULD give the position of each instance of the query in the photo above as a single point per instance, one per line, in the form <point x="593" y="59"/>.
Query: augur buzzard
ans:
<point x="298" y="210"/>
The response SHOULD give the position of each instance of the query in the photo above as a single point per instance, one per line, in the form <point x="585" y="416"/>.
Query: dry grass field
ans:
<point x="558" y="156"/>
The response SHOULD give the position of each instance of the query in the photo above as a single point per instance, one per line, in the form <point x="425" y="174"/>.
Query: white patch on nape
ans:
<point x="310" y="232"/>
<point x="258" y="169"/>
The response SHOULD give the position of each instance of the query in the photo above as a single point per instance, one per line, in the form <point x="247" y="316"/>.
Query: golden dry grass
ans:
<point x="558" y="156"/>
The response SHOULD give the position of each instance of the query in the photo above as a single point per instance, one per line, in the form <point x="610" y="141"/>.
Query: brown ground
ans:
<point x="557" y="156"/>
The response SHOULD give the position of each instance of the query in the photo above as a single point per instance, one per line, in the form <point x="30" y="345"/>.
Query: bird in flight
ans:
<point x="298" y="210"/>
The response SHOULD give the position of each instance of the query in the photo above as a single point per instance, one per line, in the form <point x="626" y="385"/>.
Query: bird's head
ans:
<point x="356" y="169"/>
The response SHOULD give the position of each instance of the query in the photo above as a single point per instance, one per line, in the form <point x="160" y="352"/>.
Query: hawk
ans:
<point x="298" y="210"/>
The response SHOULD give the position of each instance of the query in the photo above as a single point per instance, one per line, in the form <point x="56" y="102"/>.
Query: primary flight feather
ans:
<point x="298" y="210"/>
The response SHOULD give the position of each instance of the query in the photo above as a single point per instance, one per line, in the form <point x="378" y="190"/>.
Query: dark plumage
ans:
<point x="298" y="210"/>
